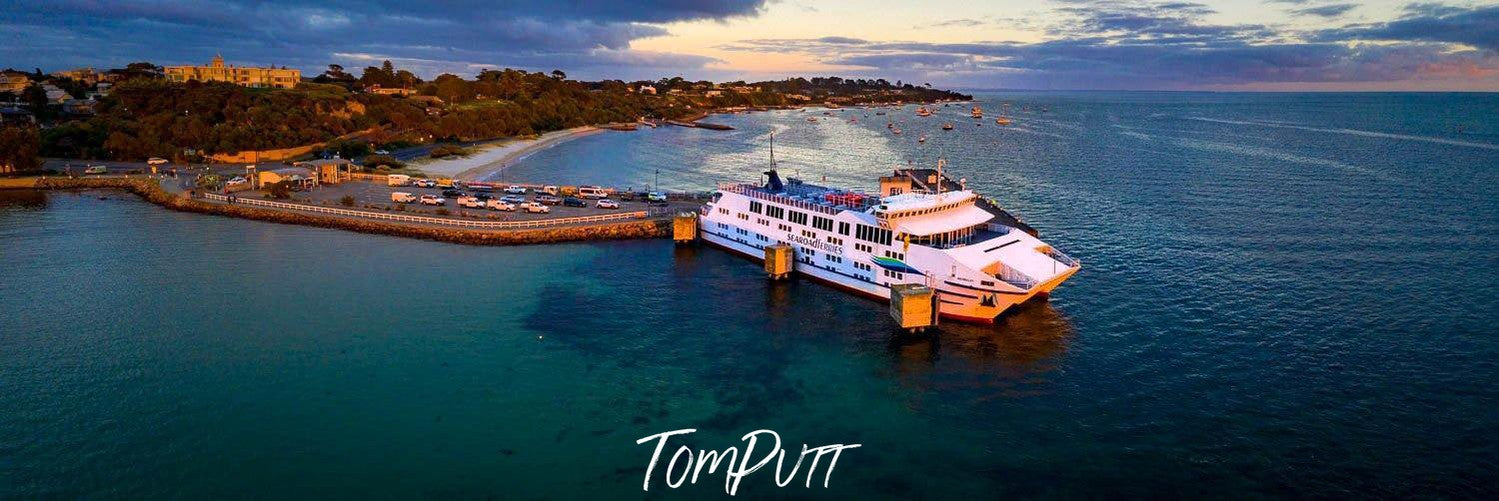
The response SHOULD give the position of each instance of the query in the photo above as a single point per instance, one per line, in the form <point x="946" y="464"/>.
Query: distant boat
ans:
<point x="811" y="119"/>
<point x="921" y="139"/>
<point x="1002" y="121"/>
<point x="947" y="126"/>
<point x="923" y="112"/>
<point x="896" y="131"/>
<point x="890" y="125"/>
<point x="879" y="113"/>
<point x="977" y="112"/>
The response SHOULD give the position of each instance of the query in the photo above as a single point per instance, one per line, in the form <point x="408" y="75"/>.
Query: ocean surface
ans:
<point x="1287" y="295"/>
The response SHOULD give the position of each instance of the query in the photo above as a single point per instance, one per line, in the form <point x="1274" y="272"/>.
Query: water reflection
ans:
<point x="1008" y="359"/>
<point x="22" y="200"/>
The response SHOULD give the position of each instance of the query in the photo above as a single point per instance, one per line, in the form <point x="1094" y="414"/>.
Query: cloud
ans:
<point x="1114" y="45"/>
<point x="1476" y="27"/>
<point x="306" y="33"/>
<point x="1330" y="10"/>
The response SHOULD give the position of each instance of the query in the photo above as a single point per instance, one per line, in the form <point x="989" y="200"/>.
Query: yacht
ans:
<point x="977" y="112"/>
<point x="920" y="228"/>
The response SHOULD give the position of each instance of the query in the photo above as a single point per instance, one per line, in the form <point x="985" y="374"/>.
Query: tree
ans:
<point x="20" y="149"/>
<point x="558" y="74"/>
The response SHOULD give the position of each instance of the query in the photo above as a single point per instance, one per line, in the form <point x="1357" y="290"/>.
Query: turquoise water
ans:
<point x="1282" y="295"/>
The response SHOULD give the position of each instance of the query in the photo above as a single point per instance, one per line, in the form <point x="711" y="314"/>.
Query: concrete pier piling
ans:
<point x="684" y="227"/>
<point x="778" y="261"/>
<point x="913" y="306"/>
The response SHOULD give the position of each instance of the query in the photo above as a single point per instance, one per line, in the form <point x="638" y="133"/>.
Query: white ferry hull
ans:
<point x="957" y="302"/>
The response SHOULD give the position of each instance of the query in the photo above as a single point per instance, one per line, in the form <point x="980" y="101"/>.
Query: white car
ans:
<point x="501" y="205"/>
<point x="605" y="203"/>
<point x="593" y="192"/>
<point x="534" y="207"/>
<point x="424" y="183"/>
<point x="471" y="202"/>
<point x="433" y="200"/>
<point x="235" y="181"/>
<point x="515" y="190"/>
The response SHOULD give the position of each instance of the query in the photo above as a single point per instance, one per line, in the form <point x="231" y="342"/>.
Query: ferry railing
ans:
<point x="1060" y="257"/>
<point x="752" y="191"/>
<point x="532" y="223"/>
<point x="1015" y="278"/>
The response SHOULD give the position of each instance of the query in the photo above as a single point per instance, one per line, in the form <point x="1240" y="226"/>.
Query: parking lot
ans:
<point x="376" y="196"/>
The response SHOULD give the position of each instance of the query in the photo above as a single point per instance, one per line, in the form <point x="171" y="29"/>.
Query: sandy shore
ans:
<point x="496" y="156"/>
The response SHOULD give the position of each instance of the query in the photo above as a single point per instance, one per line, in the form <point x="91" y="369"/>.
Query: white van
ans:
<point x="592" y="192"/>
<point x="402" y="197"/>
<point x="398" y="180"/>
<point x="551" y="190"/>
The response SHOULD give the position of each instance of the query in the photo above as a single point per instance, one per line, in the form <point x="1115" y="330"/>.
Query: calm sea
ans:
<point x="1282" y="295"/>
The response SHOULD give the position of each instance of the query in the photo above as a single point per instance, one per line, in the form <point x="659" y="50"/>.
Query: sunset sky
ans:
<point x="1076" y="44"/>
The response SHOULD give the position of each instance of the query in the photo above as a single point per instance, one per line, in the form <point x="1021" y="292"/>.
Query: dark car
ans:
<point x="452" y="193"/>
<point x="483" y="196"/>
<point x="574" y="202"/>
<point x="548" y="199"/>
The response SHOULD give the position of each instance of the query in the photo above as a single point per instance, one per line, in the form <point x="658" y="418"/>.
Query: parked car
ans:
<point x="382" y="152"/>
<point x="433" y="200"/>
<point x="534" y="207"/>
<point x="512" y="199"/>
<point x="515" y="189"/>
<point x="592" y="192"/>
<point x="397" y="180"/>
<point x="655" y="196"/>
<point x="548" y="199"/>
<point x="550" y="190"/>
<point x="471" y="202"/>
<point x="235" y="181"/>
<point x="574" y="202"/>
<point x="605" y="203"/>
<point x="156" y="161"/>
<point x="452" y="193"/>
<point x="499" y="205"/>
<point x="402" y="197"/>
<point x="424" y="183"/>
<point x="95" y="169"/>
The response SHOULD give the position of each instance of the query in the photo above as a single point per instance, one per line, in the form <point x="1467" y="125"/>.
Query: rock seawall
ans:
<point x="151" y="191"/>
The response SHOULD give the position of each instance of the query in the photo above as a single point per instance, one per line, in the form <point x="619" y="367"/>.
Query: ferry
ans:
<point x="921" y="228"/>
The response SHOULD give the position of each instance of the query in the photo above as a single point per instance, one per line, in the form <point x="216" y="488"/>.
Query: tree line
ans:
<point x="151" y="117"/>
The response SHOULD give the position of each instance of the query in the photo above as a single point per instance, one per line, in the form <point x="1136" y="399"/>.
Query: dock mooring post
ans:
<point x="913" y="306"/>
<point x="684" y="227"/>
<point x="778" y="261"/>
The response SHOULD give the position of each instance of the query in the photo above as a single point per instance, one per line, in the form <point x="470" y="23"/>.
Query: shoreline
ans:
<point x="496" y="157"/>
<point x="151" y="191"/>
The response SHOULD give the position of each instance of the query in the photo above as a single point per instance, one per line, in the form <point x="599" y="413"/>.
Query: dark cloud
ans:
<point x="1477" y="27"/>
<point x="842" y="40"/>
<point x="1330" y="10"/>
<point x="445" y="36"/>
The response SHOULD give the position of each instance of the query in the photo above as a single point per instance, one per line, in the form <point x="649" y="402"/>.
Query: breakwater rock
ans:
<point x="151" y="191"/>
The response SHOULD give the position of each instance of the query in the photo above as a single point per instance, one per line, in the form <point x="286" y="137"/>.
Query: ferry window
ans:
<point x="756" y="207"/>
<point x="723" y="210"/>
<point x="784" y="227"/>
<point x="986" y="282"/>
<point x="843" y="228"/>
<point x="822" y="223"/>
<point x="798" y="217"/>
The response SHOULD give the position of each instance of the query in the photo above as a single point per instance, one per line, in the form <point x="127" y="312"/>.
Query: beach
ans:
<point x="494" y="157"/>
